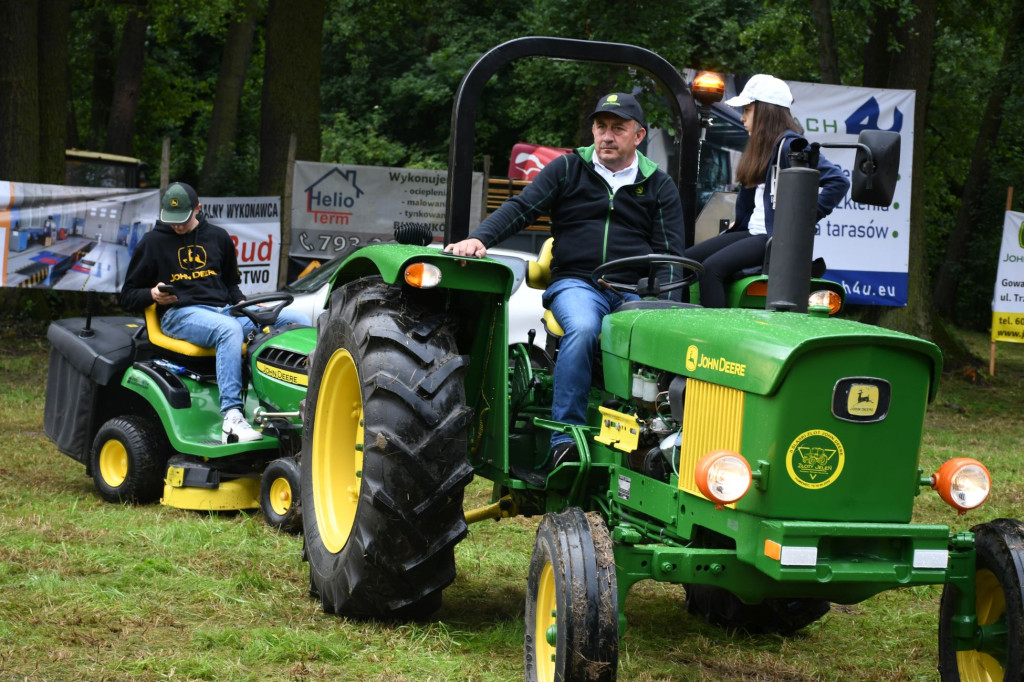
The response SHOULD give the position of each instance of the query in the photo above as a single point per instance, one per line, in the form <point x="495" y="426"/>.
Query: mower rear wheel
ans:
<point x="720" y="607"/>
<point x="999" y="597"/>
<point x="279" y="495"/>
<point x="384" y="463"/>
<point x="572" y="606"/>
<point x="128" y="459"/>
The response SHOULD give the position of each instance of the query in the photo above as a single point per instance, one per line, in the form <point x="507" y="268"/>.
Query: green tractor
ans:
<point x="767" y="459"/>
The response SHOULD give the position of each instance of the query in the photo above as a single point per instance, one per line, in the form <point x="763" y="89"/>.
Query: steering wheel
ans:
<point x="262" y="317"/>
<point x="648" y="286"/>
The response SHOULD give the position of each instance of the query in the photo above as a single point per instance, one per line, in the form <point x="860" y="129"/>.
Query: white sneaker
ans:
<point x="237" y="430"/>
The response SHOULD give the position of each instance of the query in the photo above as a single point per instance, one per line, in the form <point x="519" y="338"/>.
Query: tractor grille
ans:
<point x="288" y="360"/>
<point x="712" y="420"/>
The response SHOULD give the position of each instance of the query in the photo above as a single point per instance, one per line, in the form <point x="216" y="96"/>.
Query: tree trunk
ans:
<point x="877" y="58"/>
<point x="828" y="57"/>
<point x="55" y="90"/>
<point x="19" y="83"/>
<point x="912" y="69"/>
<point x="220" y="139"/>
<point x="291" y="89"/>
<point x="127" y="82"/>
<point x="101" y="36"/>
<point x="977" y="175"/>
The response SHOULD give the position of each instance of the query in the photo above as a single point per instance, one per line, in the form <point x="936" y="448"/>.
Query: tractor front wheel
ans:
<point x="572" y="606"/>
<point x="279" y="495"/>
<point x="384" y="463"/>
<point x="998" y="652"/>
<point x="128" y="459"/>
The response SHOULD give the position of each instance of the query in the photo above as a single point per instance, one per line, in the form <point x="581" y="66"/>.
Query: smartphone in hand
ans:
<point x="165" y="289"/>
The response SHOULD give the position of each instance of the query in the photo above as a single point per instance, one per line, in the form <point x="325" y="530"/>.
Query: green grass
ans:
<point x="94" y="591"/>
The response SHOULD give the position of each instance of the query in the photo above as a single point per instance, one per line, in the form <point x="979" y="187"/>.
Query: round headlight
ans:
<point x="827" y="298"/>
<point x="423" y="275"/>
<point x="963" y="483"/>
<point x="723" y="477"/>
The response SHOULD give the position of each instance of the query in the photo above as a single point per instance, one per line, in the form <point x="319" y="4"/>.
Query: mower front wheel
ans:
<point x="998" y="652"/>
<point x="279" y="495"/>
<point x="572" y="606"/>
<point x="128" y="458"/>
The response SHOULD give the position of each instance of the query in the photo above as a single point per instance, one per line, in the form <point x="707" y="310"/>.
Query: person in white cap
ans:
<point x="766" y="102"/>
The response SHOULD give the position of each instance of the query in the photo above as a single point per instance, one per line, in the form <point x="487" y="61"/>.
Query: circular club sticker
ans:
<point x="815" y="459"/>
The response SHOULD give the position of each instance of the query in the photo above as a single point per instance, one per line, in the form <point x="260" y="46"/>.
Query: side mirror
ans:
<point x="876" y="167"/>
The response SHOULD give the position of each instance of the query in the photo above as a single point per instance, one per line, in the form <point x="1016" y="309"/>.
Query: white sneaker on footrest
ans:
<point x="237" y="430"/>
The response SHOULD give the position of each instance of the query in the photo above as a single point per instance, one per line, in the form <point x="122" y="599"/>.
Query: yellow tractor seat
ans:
<point x="158" y="338"/>
<point x="538" y="276"/>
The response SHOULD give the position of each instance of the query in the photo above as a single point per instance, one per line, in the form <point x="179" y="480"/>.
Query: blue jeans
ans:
<point x="579" y="308"/>
<point x="211" y="327"/>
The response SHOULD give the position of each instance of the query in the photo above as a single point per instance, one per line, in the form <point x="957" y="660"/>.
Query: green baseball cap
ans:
<point x="178" y="203"/>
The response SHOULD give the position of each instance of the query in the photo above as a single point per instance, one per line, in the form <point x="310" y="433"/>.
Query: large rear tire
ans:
<point x="384" y="463"/>
<point x="128" y="459"/>
<point x="572" y="606"/>
<point x="999" y="599"/>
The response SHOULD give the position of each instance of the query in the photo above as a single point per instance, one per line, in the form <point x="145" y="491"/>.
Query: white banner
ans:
<point x="1008" y="297"/>
<point x="335" y="207"/>
<point x="254" y="224"/>
<point x="866" y="248"/>
<point x="81" y="238"/>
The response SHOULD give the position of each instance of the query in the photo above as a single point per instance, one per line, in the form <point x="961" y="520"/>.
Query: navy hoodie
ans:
<point x="201" y="266"/>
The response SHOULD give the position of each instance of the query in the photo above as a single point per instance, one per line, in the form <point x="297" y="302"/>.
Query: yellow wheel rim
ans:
<point x="280" y="496"/>
<point x="546" y="625"/>
<point x="113" y="463"/>
<point x="337" y="457"/>
<point x="979" y="666"/>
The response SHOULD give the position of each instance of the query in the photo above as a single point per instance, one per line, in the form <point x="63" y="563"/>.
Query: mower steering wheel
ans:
<point x="648" y="286"/>
<point x="261" y="317"/>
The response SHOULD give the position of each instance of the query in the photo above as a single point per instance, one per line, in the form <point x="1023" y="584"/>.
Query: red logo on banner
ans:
<point x="527" y="159"/>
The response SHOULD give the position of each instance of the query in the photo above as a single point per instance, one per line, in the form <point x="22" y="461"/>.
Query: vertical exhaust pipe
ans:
<point x="796" y="211"/>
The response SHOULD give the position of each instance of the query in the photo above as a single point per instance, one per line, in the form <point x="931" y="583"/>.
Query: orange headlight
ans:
<point x="423" y="275"/>
<point x="723" y="477"/>
<point x="826" y="298"/>
<point x="963" y="483"/>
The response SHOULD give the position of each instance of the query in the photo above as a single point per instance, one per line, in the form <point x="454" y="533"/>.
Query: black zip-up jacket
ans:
<point x="201" y="266"/>
<point x="590" y="225"/>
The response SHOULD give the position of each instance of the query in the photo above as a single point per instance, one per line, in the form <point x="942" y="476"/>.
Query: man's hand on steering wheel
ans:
<point x="647" y="286"/>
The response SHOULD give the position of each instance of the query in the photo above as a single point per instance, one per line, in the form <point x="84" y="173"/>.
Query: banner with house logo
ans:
<point x="1008" y="298"/>
<point x="82" y="238"/>
<point x="336" y="207"/>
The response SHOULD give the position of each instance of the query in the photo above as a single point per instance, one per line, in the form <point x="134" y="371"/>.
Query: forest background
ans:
<point x="229" y="82"/>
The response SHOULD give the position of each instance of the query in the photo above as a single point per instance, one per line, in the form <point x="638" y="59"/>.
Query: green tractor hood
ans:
<point x="749" y="350"/>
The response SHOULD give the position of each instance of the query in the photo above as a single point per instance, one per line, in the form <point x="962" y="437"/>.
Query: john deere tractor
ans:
<point x="767" y="459"/>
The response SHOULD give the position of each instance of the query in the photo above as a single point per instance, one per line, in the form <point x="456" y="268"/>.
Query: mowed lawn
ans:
<point x="95" y="591"/>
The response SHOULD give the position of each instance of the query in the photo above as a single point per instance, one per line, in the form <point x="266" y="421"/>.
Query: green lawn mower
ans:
<point x="141" y="410"/>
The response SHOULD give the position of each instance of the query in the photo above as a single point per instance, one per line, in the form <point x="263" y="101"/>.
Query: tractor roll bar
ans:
<point x="460" y="154"/>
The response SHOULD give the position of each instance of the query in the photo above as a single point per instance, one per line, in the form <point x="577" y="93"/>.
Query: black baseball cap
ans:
<point x="622" y="105"/>
<point x="178" y="203"/>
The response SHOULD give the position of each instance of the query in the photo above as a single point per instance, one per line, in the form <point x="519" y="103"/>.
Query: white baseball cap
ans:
<point x="763" y="88"/>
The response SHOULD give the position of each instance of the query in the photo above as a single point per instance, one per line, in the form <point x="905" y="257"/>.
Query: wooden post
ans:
<point x="165" y="164"/>
<point x="992" y="348"/>
<point x="286" y="214"/>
